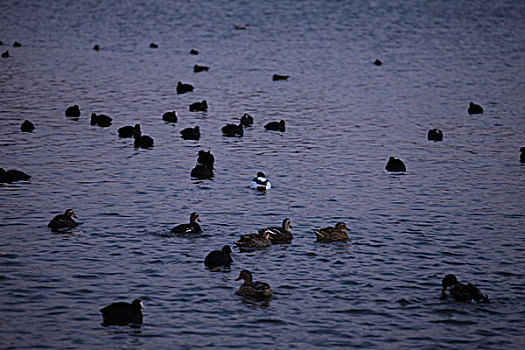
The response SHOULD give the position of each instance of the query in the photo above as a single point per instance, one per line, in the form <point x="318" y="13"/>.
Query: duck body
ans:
<point x="232" y="130"/>
<point x="279" y="235"/>
<point x="435" y="135"/>
<point x="143" y="141"/>
<point x="101" y="120"/>
<point x="199" y="106"/>
<point x="5" y="54"/>
<point x="276" y="77"/>
<point x="522" y="155"/>
<point x="183" y="88"/>
<point x="462" y="292"/>
<point x="333" y="234"/>
<point x="27" y="126"/>
<point x="260" y="182"/>
<point x="170" y="117"/>
<point x="395" y="164"/>
<point x="63" y="221"/>
<point x="276" y="126"/>
<point x="192" y="227"/>
<point x="73" y="111"/>
<point x="129" y="131"/>
<point x="246" y="120"/>
<point x="254" y="240"/>
<point x="122" y="313"/>
<point x="218" y="258"/>
<point x="13" y="175"/>
<point x="191" y="133"/>
<point x="201" y="172"/>
<point x="474" y="108"/>
<point x="197" y="68"/>
<point x="253" y="289"/>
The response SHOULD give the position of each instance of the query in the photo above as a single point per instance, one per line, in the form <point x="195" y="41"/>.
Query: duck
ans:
<point x="122" y="313"/>
<point x="279" y="234"/>
<point x="5" y="54"/>
<point x="13" y="175"/>
<point x="218" y="258"/>
<point x="191" y="133"/>
<point x="246" y="120"/>
<point x="522" y="155"/>
<point x="201" y="172"/>
<point x="232" y="130"/>
<point x="64" y="221"/>
<point x="153" y="46"/>
<point x="96" y="48"/>
<point x="194" y="52"/>
<point x="73" y="111"/>
<point x="17" y="44"/>
<point x="101" y="120"/>
<point x="333" y="234"/>
<point x="254" y="240"/>
<point x="129" y="131"/>
<point x="435" y="135"/>
<point x="27" y="126"/>
<point x="276" y="126"/>
<point x="192" y="227"/>
<point x="254" y="289"/>
<point x="197" y="68"/>
<point x="170" y="117"/>
<point x="199" y="106"/>
<point x="461" y="292"/>
<point x="143" y="141"/>
<point x="276" y="77"/>
<point x="474" y="108"/>
<point x="260" y="182"/>
<point x="395" y="164"/>
<point x="378" y="62"/>
<point x="241" y="26"/>
<point x="183" y="88"/>
<point x="206" y="158"/>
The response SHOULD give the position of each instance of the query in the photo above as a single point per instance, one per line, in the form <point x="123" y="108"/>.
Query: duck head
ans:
<point x="226" y="249"/>
<point x="245" y="275"/>
<point x="341" y="226"/>
<point x="137" y="304"/>
<point x="261" y="174"/>
<point x="194" y="217"/>
<point x="448" y="281"/>
<point x="70" y="213"/>
<point x="287" y="224"/>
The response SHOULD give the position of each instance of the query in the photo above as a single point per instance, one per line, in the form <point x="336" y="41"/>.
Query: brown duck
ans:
<point x="333" y="234"/>
<point x="253" y="289"/>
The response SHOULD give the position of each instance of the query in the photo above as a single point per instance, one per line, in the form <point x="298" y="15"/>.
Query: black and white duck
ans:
<point x="218" y="258"/>
<point x="279" y="234"/>
<point x="191" y="133"/>
<point x="129" y="131"/>
<point x="276" y="126"/>
<point x="183" y="88"/>
<point x="254" y="240"/>
<point x="192" y="227"/>
<point x="332" y="234"/>
<point x="254" y="289"/>
<point x="122" y="313"/>
<point x="260" y="182"/>
<point x="395" y="164"/>
<point x="13" y="175"/>
<point x="461" y="292"/>
<point x="64" y="221"/>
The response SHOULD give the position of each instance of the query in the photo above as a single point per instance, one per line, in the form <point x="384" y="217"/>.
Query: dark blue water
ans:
<point x="458" y="209"/>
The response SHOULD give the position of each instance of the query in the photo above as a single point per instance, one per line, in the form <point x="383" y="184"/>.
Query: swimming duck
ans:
<point x="153" y="46"/>
<point x="27" y="126"/>
<point x="191" y="133"/>
<point x="183" y="88"/>
<point x="17" y="44"/>
<point x="395" y="164"/>
<point x="192" y="227"/>
<point x="256" y="289"/>
<point x="201" y="172"/>
<point x="246" y="120"/>
<point x="197" y="68"/>
<point x="101" y="120"/>
<point x="194" y="52"/>
<point x="435" y="135"/>
<point x="122" y="313"/>
<point x="276" y="77"/>
<point x="206" y="158"/>
<point x="522" y="155"/>
<point x="219" y="258"/>
<point x="96" y="48"/>
<point x="143" y="141"/>
<point x="64" y="221"/>
<point x="333" y="234"/>
<point x="260" y="182"/>
<point x="279" y="234"/>
<point x="276" y="126"/>
<point x="129" y="131"/>
<point x="232" y="130"/>
<point x="73" y="111"/>
<point x="378" y="62"/>
<point x="474" y="108"/>
<point x="170" y="117"/>
<point x="461" y="292"/>
<point x="254" y="240"/>
<point x="12" y="175"/>
<point x="5" y="54"/>
<point x="199" y="106"/>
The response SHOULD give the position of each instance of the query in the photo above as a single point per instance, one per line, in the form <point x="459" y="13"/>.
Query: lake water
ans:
<point x="458" y="209"/>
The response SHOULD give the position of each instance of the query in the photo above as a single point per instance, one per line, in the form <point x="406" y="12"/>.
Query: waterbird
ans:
<point x="64" y="221"/>
<point x="246" y="120"/>
<point x="13" y="175"/>
<point x="199" y="106"/>
<point x="27" y="126"/>
<point x="122" y="313"/>
<point x="332" y="234"/>
<point x="191" y="133"/>
<point x="395" y="164"/>
<point x="129" y="131"/>
<point x="143" y="141"/>
<point x="474" y="108"/>
<point x="201" y="172"/>
<point x="254" y="240"/>
<point x="461" y="292"/>
<point x="254" y="289"/>
<point x="276" y="77"/>
<point x="206" y="158"/>
<point x="170" y="117"/>
<point x="218" y="258"/>
<point x="260" y="182"/>
<point x="192" y="227"/>
<point x="232" y="130"/>
<point x="435" y="135"/>
<point x="96" y="48"/>
<point x="153" y="46"/>
<point x="5" y="54"/>
<point x="101" y="120"/>
<point x="183" y="88"/>
<point x="73" y="111"/>
<point x="279" y="234"/>
<point x="197" y="68"/>
<point x="276" y="126"/>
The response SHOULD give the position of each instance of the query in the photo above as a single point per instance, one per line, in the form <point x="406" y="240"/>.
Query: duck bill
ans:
<point x="346" y="228"/>
<point x="238" y="278"/>
<point x="74" y="216"/>
<point x="199" y="220"/>
<point x="444" y="291"/>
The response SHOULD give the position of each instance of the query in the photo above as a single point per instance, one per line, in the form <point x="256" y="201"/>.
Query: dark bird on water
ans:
<point x="260" y="182"/>
<point x="101" y="120"/>
<point x="218" y="258"/>
<point x="27" y="126"/>
<point x="332" y="234"/>
<point x="197" y="68"/>
<point x="246" y="120"/>
<point x="461" y="292"/>
<point x="129" y="131"/>
<point x="232" y="130"/>
<point x="16" y="44"/>
<point x="201" y="172"/>
<point x="254" y="240"/>
<point x="199" y="106"/>
<point x="474" y="108"/>
<point x="395" y="164"/>
<point x="143" y="141"/>
<point x="192" y="227"/>
<point x="435" y="135"/>
<point x="253" y="289"/>
<point x="194" y="52"/>
<point x="522" y="155"/>
<point x="276" y="126"/>
<point x="153" y="46"/>
<point x="206" y="158"/>
<point x="5" y="54"/>
<point x="276" y="77"/>
<point x="12" y="175"/>
<point x="183" y="88"/>
<point x="281" y="234"/>
<point x="96" y="48"/>
<point x="378" y="62"/>
<point x="191" y="133"/>
<point x="64" y="221"/>
<point x="122" y="313"/>
<point x="170" y="117"/>
<point x="73" y="111"/>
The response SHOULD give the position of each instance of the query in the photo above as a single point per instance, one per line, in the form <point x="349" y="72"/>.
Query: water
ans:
<point x="458" y="209"/>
